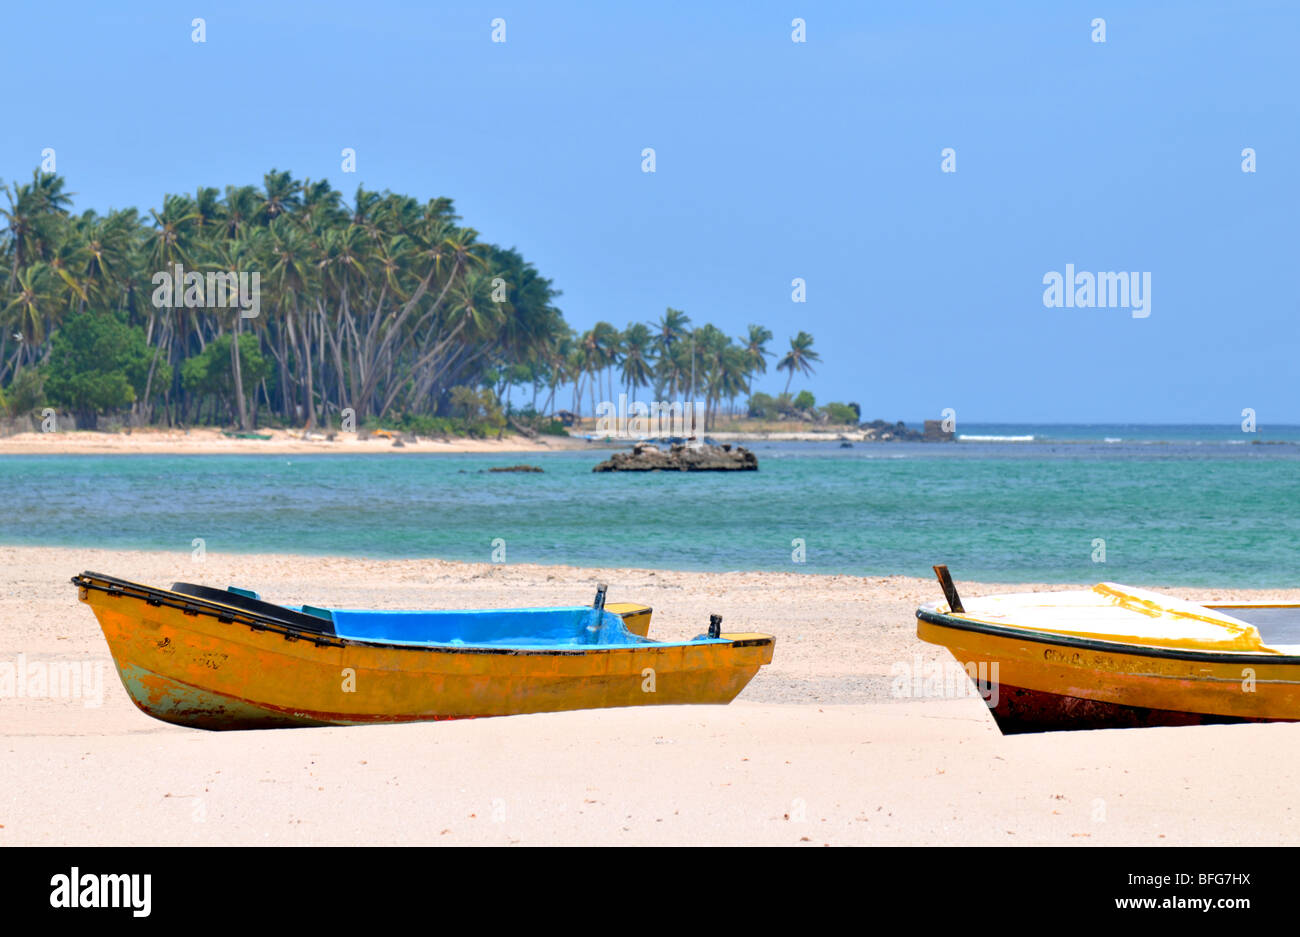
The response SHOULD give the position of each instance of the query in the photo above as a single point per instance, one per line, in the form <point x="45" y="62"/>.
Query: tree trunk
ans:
<point x="238" y="374"/>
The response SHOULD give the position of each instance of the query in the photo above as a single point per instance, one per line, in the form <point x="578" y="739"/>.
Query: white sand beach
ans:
<point x="818" y="749"/>
<point x="209" y="441"/>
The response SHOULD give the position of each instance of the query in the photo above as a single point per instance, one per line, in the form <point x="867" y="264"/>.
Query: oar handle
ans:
<point x="949" y="590"/>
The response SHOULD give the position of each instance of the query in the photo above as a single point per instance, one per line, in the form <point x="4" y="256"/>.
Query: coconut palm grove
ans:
<point x="382" y="311"/>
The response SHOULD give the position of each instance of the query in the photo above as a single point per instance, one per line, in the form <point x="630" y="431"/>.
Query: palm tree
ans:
<point x="239" y="209"/>
<point x="235" y="255"/>
<point x="670" y="330"/>
<point x="292" y="273"/>
<point x="67" y="257"/>
<point x="208" y="209"/>
<point x="636" y="368"/>
<point x="735" y="374"/>
<point x="321" y="206"/>
<point x="607" y="342"/>
<point x="800" y="357"/>
<point x="34" y="210"/>
<point x="383" y="305"/>
<point x="575" y="366"/>
<point x="591" y="361"/>
<point x="34" y="304"/>
<point x="756" y="353"/>
<point x="172" y="242"/>
<point x="281" y="195"/>
<point x="110" y="243"/>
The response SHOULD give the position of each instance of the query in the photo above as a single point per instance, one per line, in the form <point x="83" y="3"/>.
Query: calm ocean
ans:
<point x="1173" y="504"/>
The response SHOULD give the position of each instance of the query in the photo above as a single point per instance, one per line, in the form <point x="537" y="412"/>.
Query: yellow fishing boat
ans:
<point x="1114" y="656"/>
<point x="225" y="659"/>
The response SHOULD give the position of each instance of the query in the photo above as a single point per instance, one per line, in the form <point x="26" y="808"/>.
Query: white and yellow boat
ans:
<point x="1114" y="656"/>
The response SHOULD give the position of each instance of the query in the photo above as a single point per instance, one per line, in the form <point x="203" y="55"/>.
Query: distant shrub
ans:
<point x="530" y="418"/>
<point x="424" y="424"/>
<point x="805" y="400"/>
<point x="479" y="411"/>
<point x="98" y="364"/>
<point x="26" y="392"/>
<point x="762" y="406"/>
<point x="841" y="413"/>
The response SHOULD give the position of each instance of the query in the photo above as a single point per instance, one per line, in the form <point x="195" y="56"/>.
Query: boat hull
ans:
<point x="1018" y="711"/>
<point x="187" y="664"/>
<point x="1040" y="682"/>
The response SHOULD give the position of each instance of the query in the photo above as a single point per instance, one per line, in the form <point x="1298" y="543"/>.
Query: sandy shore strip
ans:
<point x="207" y="441"/>
<point x="821" y="748"/>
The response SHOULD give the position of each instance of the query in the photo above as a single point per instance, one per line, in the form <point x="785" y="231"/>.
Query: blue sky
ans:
<point x="774" y="160"/>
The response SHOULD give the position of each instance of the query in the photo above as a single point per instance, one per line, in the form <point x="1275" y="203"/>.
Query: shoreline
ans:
<point x="971" y="586"/>
<point x="210" y="441"/>
<point x="821" y="747"/>
<point x="207" y="441"/>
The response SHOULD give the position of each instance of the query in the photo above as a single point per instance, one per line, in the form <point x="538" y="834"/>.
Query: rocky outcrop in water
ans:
<point x="934" y="432"/>
<point x="646" y="457"/>
<point x="882" y="431"/>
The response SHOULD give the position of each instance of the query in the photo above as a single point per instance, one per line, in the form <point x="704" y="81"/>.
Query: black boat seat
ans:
<point x="317" y="620"/>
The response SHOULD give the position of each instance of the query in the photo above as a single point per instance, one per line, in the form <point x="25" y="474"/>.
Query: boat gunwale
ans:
<point x="949" y="620"/>
<point x="1240" y="605"/>
<point x="229" y="614"/>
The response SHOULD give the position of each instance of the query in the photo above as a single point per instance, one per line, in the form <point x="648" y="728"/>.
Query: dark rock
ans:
<point x="934" y="432"/>
<point x="515" y="468"/>
<point x="645" y="457"/>
<point x="882" y="431"/>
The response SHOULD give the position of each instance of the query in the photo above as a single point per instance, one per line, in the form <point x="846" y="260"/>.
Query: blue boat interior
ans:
<point x="577" y="627"/>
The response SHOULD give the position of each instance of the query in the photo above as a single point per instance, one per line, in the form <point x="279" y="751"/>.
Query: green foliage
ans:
<point x="423" y="424"/>
<point x="535" y="421"/>
<point x="378" y="303"/>
<point x="478" y="411"/>
<point x="762" y="406"/>
<point x="804" y="400"/>
<point x="26" y="392"/>
<point x="841" y="413"/>
<point x="97" y="364"/>
<point x="799" y="359"/>
<point x="211" y="372"/>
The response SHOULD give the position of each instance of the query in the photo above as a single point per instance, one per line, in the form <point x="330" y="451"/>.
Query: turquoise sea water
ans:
<point x="1174" y="505"/>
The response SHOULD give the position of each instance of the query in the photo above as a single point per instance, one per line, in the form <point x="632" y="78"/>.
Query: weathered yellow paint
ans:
<point x="636" y="618"/>
<point x="1263" y="688"/>
<point x="196" y="670"/>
